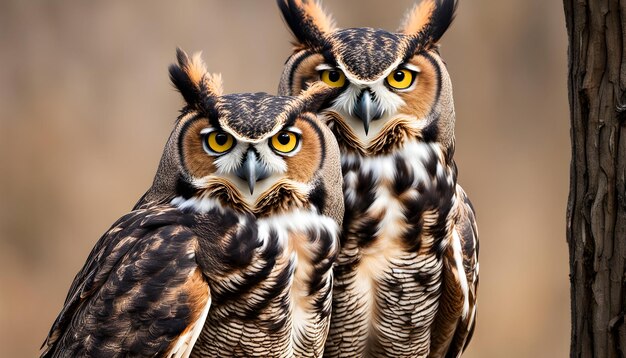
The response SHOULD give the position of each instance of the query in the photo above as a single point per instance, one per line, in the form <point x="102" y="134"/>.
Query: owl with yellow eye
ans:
<point x="230" y="252"/>
<point x="407" y="273"/>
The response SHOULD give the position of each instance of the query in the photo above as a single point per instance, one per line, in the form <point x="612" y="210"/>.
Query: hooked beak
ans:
<point x="252" y="170"/>
<point x="367" y="109"/>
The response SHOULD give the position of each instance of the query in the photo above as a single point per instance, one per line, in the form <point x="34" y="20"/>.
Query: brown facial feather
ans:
<point x="421" y="99"/>
<point x="347" y="140"/>
<point x="301" y="168"/>
<point x="281" y="197"/>
<point x="195" y="159"/>
<point x="224" y="191"/>
<point x="304" y="164"/>
<point x="391" y="137"/>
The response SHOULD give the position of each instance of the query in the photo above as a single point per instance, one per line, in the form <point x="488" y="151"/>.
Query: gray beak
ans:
<point x="252" y="170"/>
<point x="367" y="109"/>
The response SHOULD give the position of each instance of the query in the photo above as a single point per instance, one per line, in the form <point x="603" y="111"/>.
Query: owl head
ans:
<point x="391" y="85"/>
<point x="251" y="152"/>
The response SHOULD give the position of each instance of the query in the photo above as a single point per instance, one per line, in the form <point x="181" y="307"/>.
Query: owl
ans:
<point x="230" y="252"/>
<point x="407" y="272"/>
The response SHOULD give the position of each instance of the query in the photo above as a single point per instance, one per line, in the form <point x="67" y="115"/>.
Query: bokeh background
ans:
<point x="86" y="107"/>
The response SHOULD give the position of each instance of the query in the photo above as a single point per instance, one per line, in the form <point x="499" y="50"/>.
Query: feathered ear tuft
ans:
<point x="307" y="20"/>
<point x="317" y="97"/>
<point x="193" y="81"/>
<point x="429" y="19"/>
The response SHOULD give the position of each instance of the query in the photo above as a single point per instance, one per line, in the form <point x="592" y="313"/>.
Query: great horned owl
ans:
<point x="229" y="253"/>
<point x="407" y="272"/>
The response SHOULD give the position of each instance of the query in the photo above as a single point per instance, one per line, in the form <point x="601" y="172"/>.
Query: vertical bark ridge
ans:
<point x="596" y="210"/>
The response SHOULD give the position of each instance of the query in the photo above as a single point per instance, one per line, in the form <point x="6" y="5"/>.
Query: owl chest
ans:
<point x="394" y="223"/>
<point x="271" y="306"/>
<point x="397" y="210"/>
<point x="397" y="204"/>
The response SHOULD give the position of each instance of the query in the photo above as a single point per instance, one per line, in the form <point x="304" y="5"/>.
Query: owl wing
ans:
<point x="452" y="333"/>
<point x="140" y="293"/>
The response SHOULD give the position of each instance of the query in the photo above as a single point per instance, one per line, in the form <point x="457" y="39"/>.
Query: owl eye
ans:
<point x="218" y="142"/>
<point x="401" y="79"/>
<point x="285" y="142"/>
<point x="333" y="78"/>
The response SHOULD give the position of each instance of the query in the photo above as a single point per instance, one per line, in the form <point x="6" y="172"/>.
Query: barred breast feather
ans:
<point x="406" y="264"/>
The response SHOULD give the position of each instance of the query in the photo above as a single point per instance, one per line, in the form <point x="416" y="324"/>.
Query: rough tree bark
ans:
<point x="596" y="211"/>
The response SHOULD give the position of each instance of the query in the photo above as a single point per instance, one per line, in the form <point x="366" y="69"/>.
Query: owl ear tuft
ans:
<point x="307" y="21"/>
<point x="429" y="19"/>
<point x="317" y="97"/>
<point x="193" y="81"/>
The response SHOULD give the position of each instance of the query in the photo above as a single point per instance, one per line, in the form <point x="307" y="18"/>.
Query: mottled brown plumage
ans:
<point x="407" y="272"/>
<point x="229" y="253"/>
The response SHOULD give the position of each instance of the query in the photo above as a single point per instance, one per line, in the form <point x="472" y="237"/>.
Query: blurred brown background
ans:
<point x="86" y="107"/>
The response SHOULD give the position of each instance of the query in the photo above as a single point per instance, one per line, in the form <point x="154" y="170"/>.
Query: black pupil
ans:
<point x="334" y="76"/>
<point x="221" y="138"/>
<point x="284" y="138"/>
<point x="398" y="76"/>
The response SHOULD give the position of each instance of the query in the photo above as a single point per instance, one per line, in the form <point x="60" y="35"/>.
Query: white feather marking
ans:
<point x="458" y="258"/>
<point x="263" y="234"/>
<point x="299" y="220"/>
<point x="379" y="167"/>
<point x="386" y="100"/>
<point x="390" y="225"/>
<point x="274" y="163"/>
<point x="207" y="130"/>
<point x="201" y="205"/>
<point x="294" y="129"/>
<point x="345" y="102"/>
<point x="383" y="166"/>
<point x="350" y="180"/>
<point x="185" y="343"/>
<point x="412" y="67"/>
<point x="231" y="161"/>
<point x="417" y="154"/>
<point x="344" y="105"/>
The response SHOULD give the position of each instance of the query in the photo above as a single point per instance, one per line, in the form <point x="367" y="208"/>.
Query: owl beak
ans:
<point x="252" y="170"/>
<point x="367" y="109"/>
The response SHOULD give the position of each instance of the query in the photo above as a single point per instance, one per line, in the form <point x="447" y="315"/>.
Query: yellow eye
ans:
<point x="219" y="142"/>
<point x="284" y="142"/>
<point x="333" y="78"/>
<point x="400" y="79"/>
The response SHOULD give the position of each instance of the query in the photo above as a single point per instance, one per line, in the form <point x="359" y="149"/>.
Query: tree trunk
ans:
<point x="596" y="211"/>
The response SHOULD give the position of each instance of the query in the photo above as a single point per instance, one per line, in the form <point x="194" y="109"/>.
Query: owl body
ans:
<point x="407" y="271"/>
<point x="229" y="253"/>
